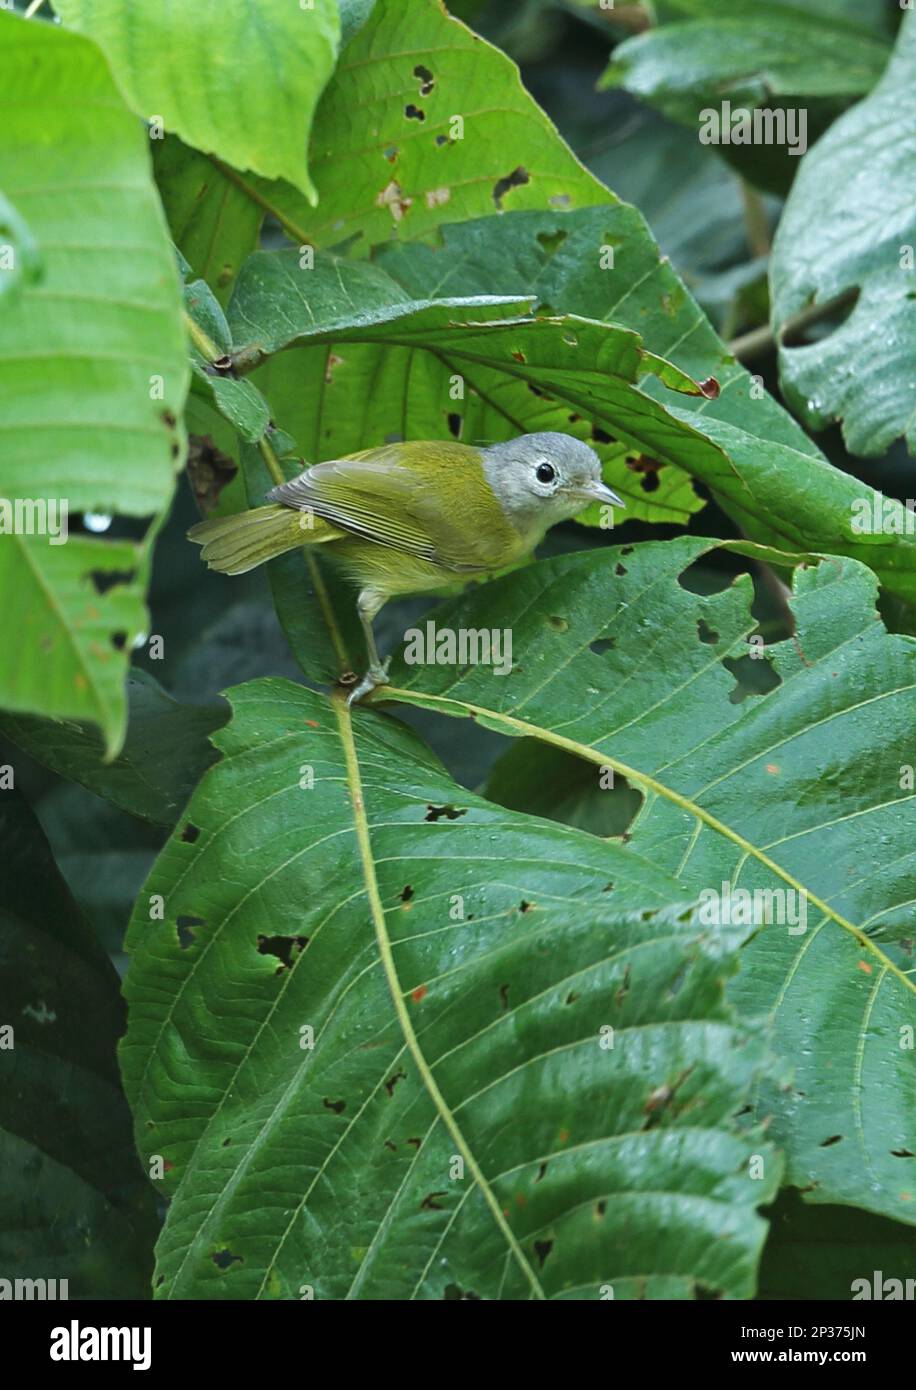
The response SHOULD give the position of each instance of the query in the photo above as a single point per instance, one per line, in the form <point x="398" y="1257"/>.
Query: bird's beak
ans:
<point x="600" y="492"/>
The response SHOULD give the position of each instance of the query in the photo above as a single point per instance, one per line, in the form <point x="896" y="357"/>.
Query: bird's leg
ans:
<point x="368" y="605"/>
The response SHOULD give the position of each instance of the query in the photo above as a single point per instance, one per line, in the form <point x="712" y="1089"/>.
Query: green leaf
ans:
<point x="800" y="790"/>
<point x="165" y="753"/>
<point x="746" y="53"/>
<point x="777" y="485"/>
<point x="74" y="1204"/>
<point x="420" y="1048"/>
<point x="20" y="262"/>
<point x="850" y="224"/>
<point x="400" y="164"/>
<point x="93" y="381"/>
<point x="238" y="79"/>
<point x="481" y="367"/>
<point x="213" y="222"/>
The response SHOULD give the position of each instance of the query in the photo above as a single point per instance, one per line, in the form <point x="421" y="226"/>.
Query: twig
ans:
<point x="760" y="340"/>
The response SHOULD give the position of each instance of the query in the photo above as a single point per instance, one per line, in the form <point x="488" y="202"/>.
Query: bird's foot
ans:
<point x="374" y="677"/>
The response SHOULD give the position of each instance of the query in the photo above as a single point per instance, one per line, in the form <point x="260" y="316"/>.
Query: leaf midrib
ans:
<point x="377" y="911"/>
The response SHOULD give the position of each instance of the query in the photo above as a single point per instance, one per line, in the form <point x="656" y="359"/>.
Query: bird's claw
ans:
<point x="374" y="677"/>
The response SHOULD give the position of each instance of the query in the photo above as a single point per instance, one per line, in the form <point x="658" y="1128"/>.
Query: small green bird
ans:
<point x="415" y="517"/>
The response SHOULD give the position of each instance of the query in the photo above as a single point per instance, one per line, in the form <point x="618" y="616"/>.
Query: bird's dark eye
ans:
<point x="546" y="473"/>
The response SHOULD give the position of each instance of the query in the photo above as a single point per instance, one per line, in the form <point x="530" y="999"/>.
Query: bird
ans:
<point x="414" y="517"/>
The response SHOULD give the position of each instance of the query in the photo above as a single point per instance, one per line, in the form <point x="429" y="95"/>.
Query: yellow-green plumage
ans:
<point x="415" y="517"/>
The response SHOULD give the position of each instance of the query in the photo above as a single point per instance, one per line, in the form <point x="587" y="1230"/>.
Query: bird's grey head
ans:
<point x="541" y="479"/>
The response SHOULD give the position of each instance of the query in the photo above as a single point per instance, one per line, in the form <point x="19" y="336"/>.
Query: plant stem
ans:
<point x="756" y="222"/>
<point x="204" y="344"/>
<point x="344" y="665"/>
<point x="760" y="340"/>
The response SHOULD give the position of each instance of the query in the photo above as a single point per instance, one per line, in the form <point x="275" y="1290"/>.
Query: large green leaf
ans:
<point x="387" y="155"/>
<point x="800" y="790"/>
<point x="779" y="487"/>
<point x="850" y="224"/>
<point x="746" y="51"/>
<point x="93" y="378"/>
<point x="73" y="1203"/>
<point x="504" y="356"/>
<point x="407" y="1093"/>
<point x="239" y="79"/>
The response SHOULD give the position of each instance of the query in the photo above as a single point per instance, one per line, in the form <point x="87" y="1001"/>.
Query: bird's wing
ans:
<point x="371" y="495"/>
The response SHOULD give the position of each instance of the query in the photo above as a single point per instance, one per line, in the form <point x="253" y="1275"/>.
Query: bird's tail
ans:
<point x="234" y="544"/>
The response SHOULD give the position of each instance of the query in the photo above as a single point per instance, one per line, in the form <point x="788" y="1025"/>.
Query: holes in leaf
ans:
<point x="393" y="1081"/>
<point x="647" y="467"/>
<point x="902" y="1153"/>
<point x="287" y="949"/>
<point x="601" y="436"/>
<point x="185" y="928"/>
<point x="711" y="573"/>
<point x="454" y="1294"/>
<point x="414" y="113"/>
<point x="501" y="187"/>
<point x="504" y="998"/>
<point x="834" y="1139"/>
<point x="432" y="1202"/>
<point x="620" y="570"/>
<point x="434" y="813"/>
<point x="827" y="323"/>
<point x="441" y="139"/>
<point x="541" y="1171"/>
<point x="190" y="833"/>
<point x="119" y="640"/>
<point x="338" y="1106"/>
<point x="706" y="633"/>
<point x="427" y="81"/>
<point x="649" y="482"/>
<point x="406" y="893"/>
<point x="552" y="241"/>
<point x="602" y="645"/>
<point x="600" y="1208"/>
<point x="623" y="988"/>
<point x="455" y="424"/>
<point x="103" y="580"/>
<point x="542" y="1249"/>
<point x="524" y="907"/>
<point x="224" y="1258"/>
<point x="753" y="677"/>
